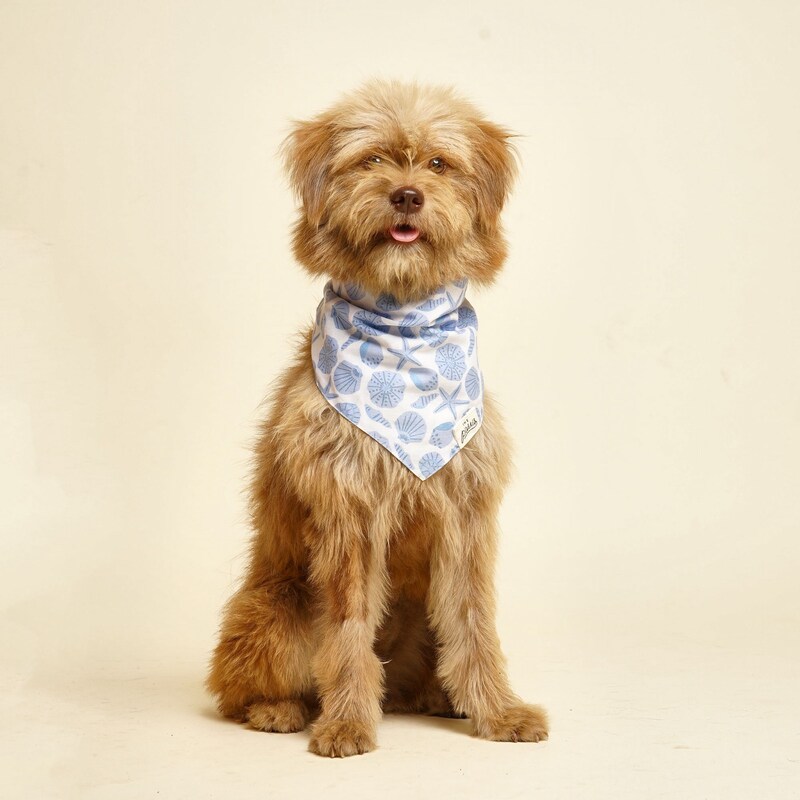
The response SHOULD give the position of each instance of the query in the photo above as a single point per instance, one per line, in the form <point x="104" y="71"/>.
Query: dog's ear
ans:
<point x="306" y="155"/>
<point x="495" y="170"/>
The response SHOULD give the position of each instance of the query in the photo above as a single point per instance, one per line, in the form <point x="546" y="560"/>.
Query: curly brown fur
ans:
<point x="368" y="589"/>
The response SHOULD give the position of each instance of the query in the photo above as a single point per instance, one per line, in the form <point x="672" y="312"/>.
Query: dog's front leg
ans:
<point x="461" y="603"/>
<point x="349" y="573"/>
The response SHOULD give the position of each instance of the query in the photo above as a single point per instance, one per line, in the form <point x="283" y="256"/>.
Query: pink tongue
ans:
<point x="403" y="234"/>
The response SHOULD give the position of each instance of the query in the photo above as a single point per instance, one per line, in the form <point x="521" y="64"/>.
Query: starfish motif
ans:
<point x="328" y="390"/>
<point x="406" y="354"/>
<point x="451" y="401"/>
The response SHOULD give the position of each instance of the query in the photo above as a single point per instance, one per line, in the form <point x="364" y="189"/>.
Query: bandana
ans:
<point x="405" y="374"/>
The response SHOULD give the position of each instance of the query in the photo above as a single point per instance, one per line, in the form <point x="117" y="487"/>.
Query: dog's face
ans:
<point x="401" y="189"/>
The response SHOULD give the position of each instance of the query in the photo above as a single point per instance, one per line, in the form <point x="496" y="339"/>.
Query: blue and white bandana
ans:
<point x="406" y="374"/>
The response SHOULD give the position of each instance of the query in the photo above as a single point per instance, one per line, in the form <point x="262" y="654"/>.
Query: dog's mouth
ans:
<point x="404" y="234"/>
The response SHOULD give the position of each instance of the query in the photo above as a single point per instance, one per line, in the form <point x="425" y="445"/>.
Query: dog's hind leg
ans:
<point x="260" y="671"/>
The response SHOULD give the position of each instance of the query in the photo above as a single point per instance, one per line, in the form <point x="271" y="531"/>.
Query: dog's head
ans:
<point x="401" y="189"/>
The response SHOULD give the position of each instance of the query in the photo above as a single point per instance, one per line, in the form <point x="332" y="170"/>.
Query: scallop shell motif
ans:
<point x="467" y="318"/>
<point x="354" y="291"/>
<point x="387" y="302"/>
<point x="404" y="457"/>
<point x="340" y="314"/>
<point x="451" y="362"/>
<point x="471" y="341"/>
<point x="369" y="323"/>
<point x="347" y="378"/>
<point x="430" y="463"/>
<point x="424" y="401"/>
<point x="433" y="335"/>
<point x="442" y="434"/>
<point x="472" y="383"/>
<point x="426" y="380"/>
<point x="327" y="355"/>
<point x="349" y="410"/>
<point x="379" y="437"/>
<point x="386" y="389"/>
<point x="371" y="353"/>
<point x="410" y="427"/>
<point x="376" y="415"/>
<point x="409" y="322"/>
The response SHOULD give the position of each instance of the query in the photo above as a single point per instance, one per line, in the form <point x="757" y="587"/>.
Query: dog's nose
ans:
<point x="407" y="199"/>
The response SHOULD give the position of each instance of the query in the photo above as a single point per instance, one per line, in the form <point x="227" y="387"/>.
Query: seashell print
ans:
<point x="471" y="341"/>
<point x="354" y="291"/>
<point x="371" y="353"/>
<point x="328" y="390"/>
<point x="379" y="437"/>
<point x="467" y="318"/>
<point x="347" y="378"/>
<point x="369" y="323"/>
<point x="451" y="362"/>
<point x="327" y="355"/>
<point x="349" y="410"/>
<point x="387" y="302"/>
<point x="472" y="383"/>
<point x="424" y="401"/>
<point x="433" y="335"/>
<point x="424" y="379"/>
<point x="431" y="303"/>
<point x="409" y="322"/>
<point x="430" y="463"/>
<point x="386" y="389"/>
<point x="442" y="434"/>
<point x="404" y="457"/>
<point x="455" y="449"/>
<point x="410" y="427"/>
<point x="460" y="282"/>
<point x="340" y="314"/>
<point x="373" y="413"/>
<point x="449" y="325"/>
<point x="353" y="337"/>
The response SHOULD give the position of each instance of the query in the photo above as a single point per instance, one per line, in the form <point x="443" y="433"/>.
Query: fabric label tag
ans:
<point x="466" y="427"/>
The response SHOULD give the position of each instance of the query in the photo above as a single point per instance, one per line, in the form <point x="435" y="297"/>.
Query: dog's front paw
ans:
<point x="520" y="723"/>
<point x="337" y="738"/>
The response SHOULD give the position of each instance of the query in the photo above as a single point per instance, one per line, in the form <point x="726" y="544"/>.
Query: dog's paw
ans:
<point x="520" y="723"/>
<point x="278" y="716"/>
<point x="337" y="738"/>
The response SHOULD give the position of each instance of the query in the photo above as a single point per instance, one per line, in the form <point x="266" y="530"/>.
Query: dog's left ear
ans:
<point x="495" y="171"/>
<point x="306" y="156"/>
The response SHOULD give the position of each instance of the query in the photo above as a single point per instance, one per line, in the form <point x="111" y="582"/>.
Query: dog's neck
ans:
<point x="423" y="311"/>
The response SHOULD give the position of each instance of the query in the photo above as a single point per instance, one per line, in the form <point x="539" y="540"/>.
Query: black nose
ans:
<point x="407" y="199"/>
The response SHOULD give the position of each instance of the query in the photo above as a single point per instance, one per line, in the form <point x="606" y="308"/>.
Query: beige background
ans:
<point x="643" y="340"/>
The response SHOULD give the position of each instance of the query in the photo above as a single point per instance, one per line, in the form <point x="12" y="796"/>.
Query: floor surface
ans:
<point x="683" y="719"/>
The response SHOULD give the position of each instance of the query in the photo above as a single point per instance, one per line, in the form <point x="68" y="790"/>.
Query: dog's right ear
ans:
<point x="306" y="156"/>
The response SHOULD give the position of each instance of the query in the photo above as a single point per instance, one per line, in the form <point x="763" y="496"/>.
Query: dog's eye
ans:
<point x="437" y="165"/>
<point x="373" y="160"/>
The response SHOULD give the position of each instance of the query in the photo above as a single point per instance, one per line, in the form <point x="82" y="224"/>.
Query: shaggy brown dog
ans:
<point x="368" y="588"/>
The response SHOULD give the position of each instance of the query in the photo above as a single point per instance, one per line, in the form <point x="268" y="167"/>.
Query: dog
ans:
<point x="370" y="580"/>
